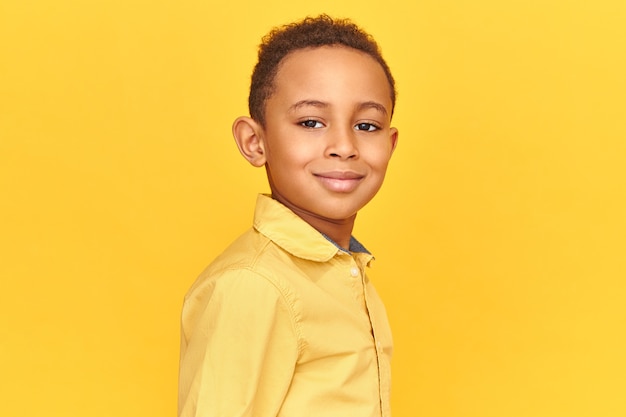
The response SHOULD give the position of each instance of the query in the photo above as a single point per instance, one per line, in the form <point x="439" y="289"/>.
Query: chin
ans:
<point x="340" y="212"/>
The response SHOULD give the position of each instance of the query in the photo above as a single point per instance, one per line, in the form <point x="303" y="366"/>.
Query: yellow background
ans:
<point x="499" y="234"/>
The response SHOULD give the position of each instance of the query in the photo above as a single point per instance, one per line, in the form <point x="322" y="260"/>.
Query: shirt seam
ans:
<point x="287" y="296"/>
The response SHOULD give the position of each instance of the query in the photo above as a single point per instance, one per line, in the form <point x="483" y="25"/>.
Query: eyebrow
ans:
<point x="321" y="104"/>
<point x="373" y="105"/>
<point x="305" y="103"/>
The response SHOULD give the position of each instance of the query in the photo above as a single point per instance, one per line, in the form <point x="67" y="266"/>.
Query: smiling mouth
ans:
<point x="340" y="182"/>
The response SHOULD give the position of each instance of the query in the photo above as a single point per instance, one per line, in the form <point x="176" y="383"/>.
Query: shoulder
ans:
<point x="252" y="260"/>
<point x="241" y="285"/>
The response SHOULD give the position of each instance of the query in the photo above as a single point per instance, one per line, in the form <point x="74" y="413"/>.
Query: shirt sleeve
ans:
<point x="238" y="349"/>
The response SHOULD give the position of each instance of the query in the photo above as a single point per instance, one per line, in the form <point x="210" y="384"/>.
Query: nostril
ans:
<point x="336" y="155"/>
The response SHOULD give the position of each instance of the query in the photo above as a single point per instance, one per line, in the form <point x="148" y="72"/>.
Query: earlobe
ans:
<point x="248" y="136"/>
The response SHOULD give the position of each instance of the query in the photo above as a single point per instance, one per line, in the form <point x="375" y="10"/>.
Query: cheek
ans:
<point x="378" y="158"/>
<point x="289" y="160"/>
<point x="297" y="153"/>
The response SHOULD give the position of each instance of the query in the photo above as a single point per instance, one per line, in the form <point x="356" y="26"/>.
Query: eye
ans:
<point x="368" y="127"/>
<point x="311" y="124"/>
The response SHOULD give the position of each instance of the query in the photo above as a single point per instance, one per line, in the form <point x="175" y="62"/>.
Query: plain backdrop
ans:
<point x="499" y="234"/>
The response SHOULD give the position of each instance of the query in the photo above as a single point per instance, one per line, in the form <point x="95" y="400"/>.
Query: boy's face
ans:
<point x="327" y="139"/>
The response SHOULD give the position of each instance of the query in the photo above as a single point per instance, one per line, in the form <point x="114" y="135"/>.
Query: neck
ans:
<point x="339" y="230"/>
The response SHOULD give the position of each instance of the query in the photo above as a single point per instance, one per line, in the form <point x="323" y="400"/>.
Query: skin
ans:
<point x="327" y="140"/>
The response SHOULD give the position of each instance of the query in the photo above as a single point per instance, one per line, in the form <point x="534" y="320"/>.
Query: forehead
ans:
<point x="331" y="72"/>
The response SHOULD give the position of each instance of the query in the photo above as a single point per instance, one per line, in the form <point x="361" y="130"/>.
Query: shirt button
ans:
<point x="354" y="271"/>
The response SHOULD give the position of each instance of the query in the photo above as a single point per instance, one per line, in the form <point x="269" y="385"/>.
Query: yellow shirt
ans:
<point x="284" y="323"/>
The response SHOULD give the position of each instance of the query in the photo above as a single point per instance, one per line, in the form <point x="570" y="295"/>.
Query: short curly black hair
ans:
<point x="311" y="32"/>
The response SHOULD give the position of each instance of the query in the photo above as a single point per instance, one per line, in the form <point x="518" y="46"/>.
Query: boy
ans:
<point x="285" y="321"/>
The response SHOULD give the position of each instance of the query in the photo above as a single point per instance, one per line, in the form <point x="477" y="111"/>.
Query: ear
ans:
<point x="393" y="137"/>
<point x="249" y="138"/>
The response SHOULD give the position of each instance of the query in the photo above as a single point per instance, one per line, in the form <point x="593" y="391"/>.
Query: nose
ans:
<point x="342" y="144"/>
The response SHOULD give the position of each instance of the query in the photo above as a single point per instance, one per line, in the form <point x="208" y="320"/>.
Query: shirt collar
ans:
<point x="290" y="232"/>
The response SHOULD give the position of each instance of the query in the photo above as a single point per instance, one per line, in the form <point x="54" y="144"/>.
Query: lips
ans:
<point x="339" y="181"/>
